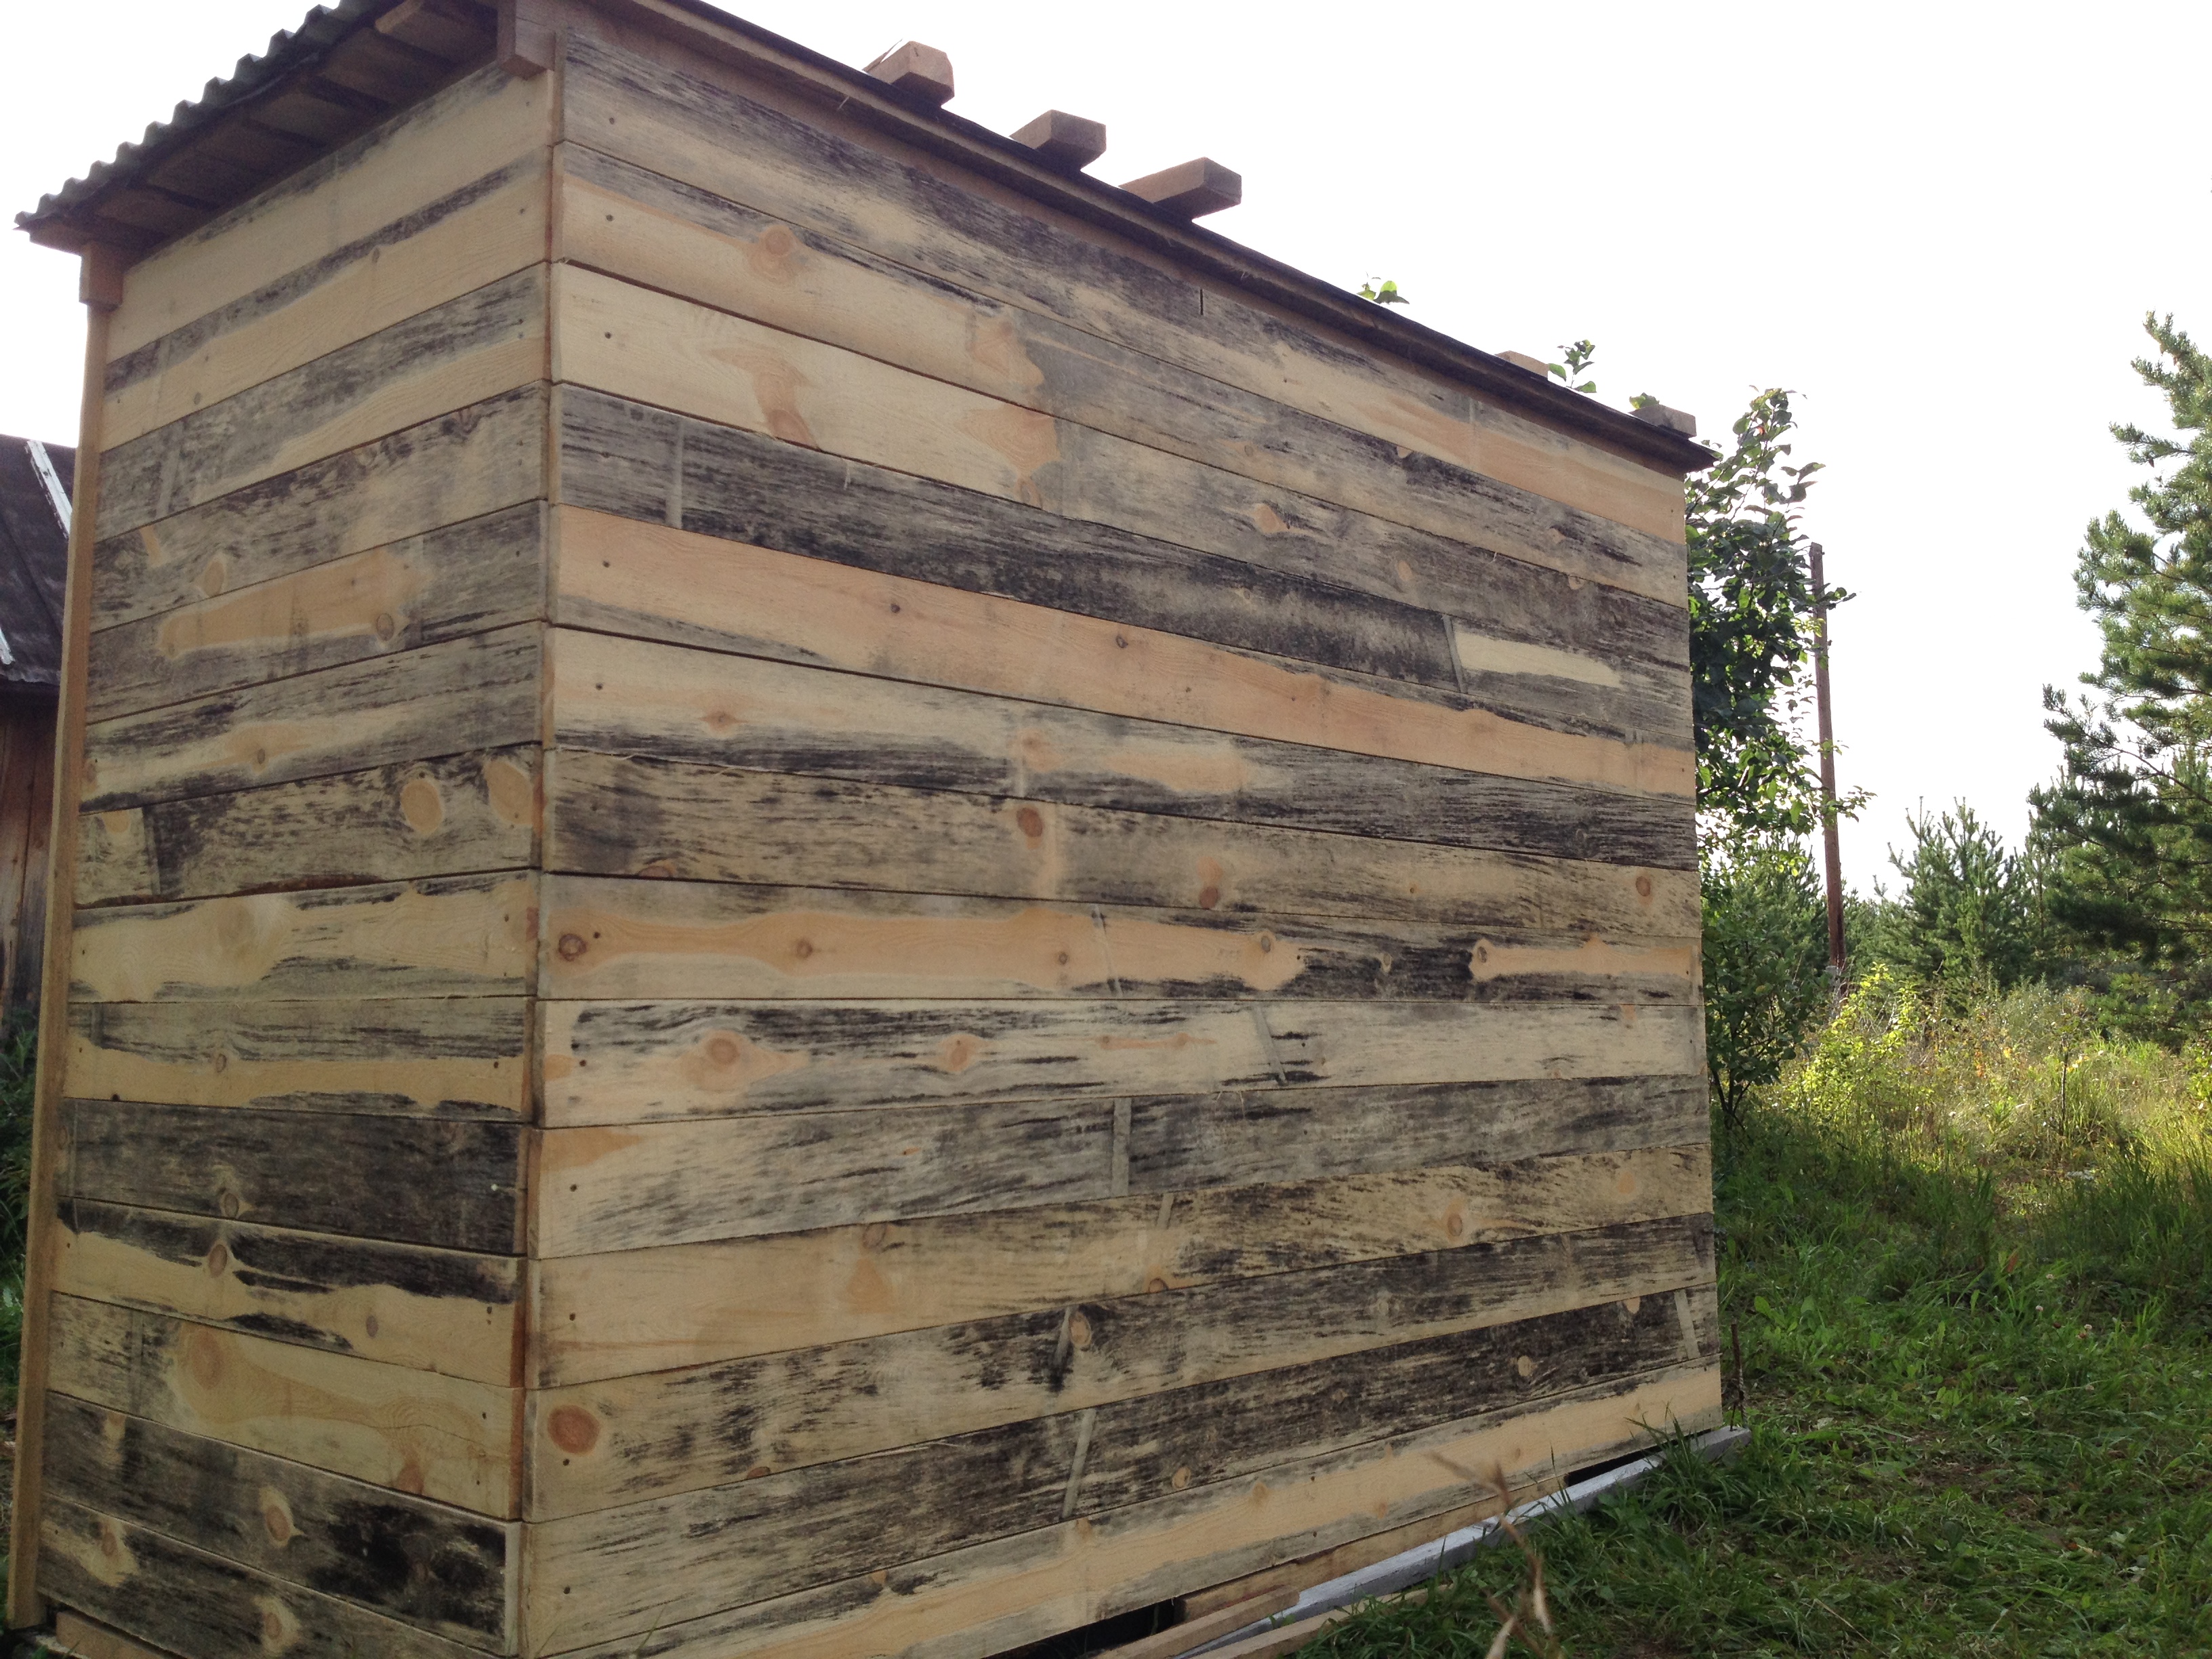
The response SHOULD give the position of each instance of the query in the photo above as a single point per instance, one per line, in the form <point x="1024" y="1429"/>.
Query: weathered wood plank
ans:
<point x="471" y="936"/>
<point x="485" y="342"/>
<point x="613" y="1189"/>
<point x="459" y="466"/>
<point x="1481" y="550"/>
<point x="997" y="467"/>
<point x="441" y="1438"/>
<point x="400" y="823"/>
<point x="596" y="1444"/>
<point x="444" y="1570"/>
<point x="465" y="579"/>
<point x="489" y="228"/>
<point x="633" y="1311"/>
<point x="630" y="696"/>
<point x="466" y="694"/>
<point x="606" y="938"/>
<point x="1135" y="636"/>
<point x="457" y="1184"/>
<point x="1180" y="1141"/>
<point x="284" y="235"/>
<point x="621" y="1062"/>
<point x="800" y="170"/>
<point x="86" y="1638"/>
<point x="666" y="1561"/>
<point x="992" y="1597"/>
<point x="620" y="815"/>
<point x="202" y="1607"/>
<point x="431" y="1310"/>
<point x="443" y="1057"/>
<point x="604" y="1189"/>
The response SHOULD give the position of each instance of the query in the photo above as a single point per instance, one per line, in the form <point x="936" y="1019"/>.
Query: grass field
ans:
<point x="1977" y="1329"/>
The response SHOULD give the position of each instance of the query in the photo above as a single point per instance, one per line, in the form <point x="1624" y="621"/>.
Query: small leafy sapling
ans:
<point x="1388" y="295"/>
<point x="1579" y="356"/>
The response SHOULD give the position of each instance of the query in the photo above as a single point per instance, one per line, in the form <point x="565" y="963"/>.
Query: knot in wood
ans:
<point x="572" y="946"/>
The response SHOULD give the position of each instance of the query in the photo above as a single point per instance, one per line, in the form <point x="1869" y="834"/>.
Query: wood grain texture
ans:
<point x="465" y="578"/>
<point x="403" y="822"/>
<point x="441" y="1437"/>
<point x="489" y="228"/>
<point x="634" y="1311"/>
<point x="799" y="170"/>
<point x="442" y="1569"/>
<point x="643" y="1185"/>
<point x="1132" y="632"/>
<point x="440" y="1057"/>
<point x="476" y="347"/>
<point x="288" y="236"/>
<point x="467" y="694"/>
<point x="405" y="1304"/>
<point x="200" y="1606"/>
<point x="661" y="1563"/>
<point x="619" y="1189"/>
<point x="86" y="1638"/>
<point x="627" y="696"/>
<point x="655" y="349"/>
<point x="994" y="1596"/>
<point x="455" y="1184"/>
<point x="634" y="1062"/>
<point x="457" y="936"/>
<point x="446" y="470"/>
<point x="1477" y="547"/>
<point x="621" y="815"/>
<point x="596" y="1444"/>
<point x="1179" y="1141"/>
<point x="616" y="938"/>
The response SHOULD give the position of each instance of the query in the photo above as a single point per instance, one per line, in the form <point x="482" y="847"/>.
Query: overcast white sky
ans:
<point x="1941" y="223"/>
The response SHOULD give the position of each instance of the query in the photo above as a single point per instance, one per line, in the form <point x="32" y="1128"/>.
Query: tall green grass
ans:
<point x="1976" y="1312"/>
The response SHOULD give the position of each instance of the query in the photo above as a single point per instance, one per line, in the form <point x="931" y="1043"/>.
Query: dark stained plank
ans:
<point x="455" y="1184"/>
<point x="455" y="467"/>
<point x="465" y="579"/>
<point x="442" y="1569"/>
<point x="458" y="354"/>
<point x="467" y="694"/>
<point x="199" y="1605"/>
<point x="665" y="1561"/>
<point x="456" y="1057"/>
<point x="645" y="464"/>
<point x="627" y="696"/>
<point x="601" y="1443"/>
<point x="623" y="815"/>
<point x="1179" y="1141"/>
<point x="407" y="821"/>
<point x="600" y="1189"/>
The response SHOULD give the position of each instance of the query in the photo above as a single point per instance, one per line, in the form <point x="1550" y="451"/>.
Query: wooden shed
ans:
<point x="832" y="893"/>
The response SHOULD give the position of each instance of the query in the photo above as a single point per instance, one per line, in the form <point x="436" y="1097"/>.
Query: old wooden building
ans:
<point x="831" y="893"/>
<point x="34" y="482"/>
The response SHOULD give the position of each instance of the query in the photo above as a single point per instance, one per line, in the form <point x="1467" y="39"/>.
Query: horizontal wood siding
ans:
<point x="291" y="1316"/>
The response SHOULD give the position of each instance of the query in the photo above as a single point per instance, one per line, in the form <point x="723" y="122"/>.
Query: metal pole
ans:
<point x="1827" y="768"/>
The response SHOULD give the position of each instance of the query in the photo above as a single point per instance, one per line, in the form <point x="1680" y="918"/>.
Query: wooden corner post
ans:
<point x="100" y="286"/>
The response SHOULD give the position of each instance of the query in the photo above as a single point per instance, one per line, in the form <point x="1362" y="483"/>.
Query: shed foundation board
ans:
<point x="829" y="896"/>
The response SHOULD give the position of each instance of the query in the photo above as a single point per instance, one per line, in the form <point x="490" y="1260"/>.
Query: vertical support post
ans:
<point x="100" y="285"/>
<point x="1835" y="874"/>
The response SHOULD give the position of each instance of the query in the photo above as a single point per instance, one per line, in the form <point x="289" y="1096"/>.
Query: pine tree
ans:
<point x="2128" y="823"/>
